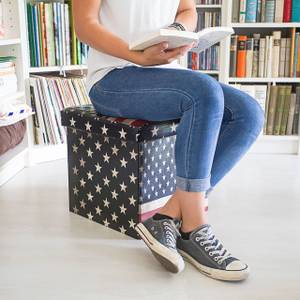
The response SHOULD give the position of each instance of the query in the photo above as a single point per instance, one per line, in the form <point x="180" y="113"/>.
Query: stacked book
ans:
<point x="208" y="19"/>
<point x="8" y="77"/>
<point x="209" y="2"/>
<point x="250" y="11"/>
<point x="49" y="95"/>
<point x="51" y="35"/>
<point x="269" y="56"/>
<point x="281" y="104"/>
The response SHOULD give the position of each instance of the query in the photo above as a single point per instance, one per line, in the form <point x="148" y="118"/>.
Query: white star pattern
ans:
<point x="106" y="181"/>
<point x="104" y="129"/>
<point x="82" y="182"/>
<point x="82" y="162"/>
<point x="122" y="229"/>
<point x="75" y="171"/>
<point x="106" y="223"/>
<point x="90" y="175"/>
<point x="132" y="178"/>
<point x="72" y="122"/>
<point x="122" y="134"/>
<point x="82" y="204"/>
<point x="133" y="154"/>
<point x="123" y="186"/>
<point x="98" y="188"/>
<point x="75" y="209"/>
<point x="90" y="196"/>
<point x="106" y="203"/>
<point x="114" y="195"/>
<point x="115" y="150"/>
<point x="173" y="127"/>
<point x="123" y="162"/>
<point x="123" y="209"/>
<point x="106" y="157"/>
<point x="114" y="173"/>
<point x="75" y="148"/>
<point x="81" y="141"/>
<point x="88" y="126"/>
<point x="154" y="131"/>
<point x="131" y="223"/>
<point x="90" y="153"/>
<point x="132" y="200"/>
<point x="114" y="217"/>
<point x="98" y="145"/>
<point x="75" y="190"/>
<point x="98" y="168"/>
<point x="90" y="216"/>
<point x="98" y="210"/>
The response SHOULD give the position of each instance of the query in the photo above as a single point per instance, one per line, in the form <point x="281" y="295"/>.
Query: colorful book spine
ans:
<point x="241" y="56"/>
<point x="251" y="8"/>
<point x="270" y="11"/>
<point x="295" y="11"/>
<point x="287" y="11"/>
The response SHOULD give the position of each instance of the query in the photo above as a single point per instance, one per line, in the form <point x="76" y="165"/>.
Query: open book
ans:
<point x="176" y="38"/>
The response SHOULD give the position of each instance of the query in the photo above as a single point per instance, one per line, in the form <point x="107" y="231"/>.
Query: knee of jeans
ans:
<point x="207" y="94"/>
<point x="254" y="115"/>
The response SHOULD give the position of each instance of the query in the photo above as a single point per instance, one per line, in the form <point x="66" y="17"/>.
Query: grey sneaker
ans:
<point x="210" y="257"/>
<point x="160" y="236"/>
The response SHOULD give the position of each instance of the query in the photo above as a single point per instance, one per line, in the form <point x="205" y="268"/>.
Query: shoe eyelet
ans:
<point x="206" y="249"/>
<point x="210" y="254"/>
<point x="219" y="262"/>
<point x="201" y="243"/>
<point x="215" y="258"/>
<point x="197" y="239"/>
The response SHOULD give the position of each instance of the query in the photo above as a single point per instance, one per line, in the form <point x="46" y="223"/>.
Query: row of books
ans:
<point x="206" y="60"/>
<point x="8" y="77"/>
<point x="269" y="56"/>
<point x="209" y="2"/>
<point x="208" y="19"/>
<point x="250" y="11"/>
<point x="281" y="104"/>
<point x="49" y="95"/>
<point x="52" y="39"/>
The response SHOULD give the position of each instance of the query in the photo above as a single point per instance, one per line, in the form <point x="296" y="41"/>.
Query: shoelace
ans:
<point x="208" y="238"/>
<point x="171" y="236"/>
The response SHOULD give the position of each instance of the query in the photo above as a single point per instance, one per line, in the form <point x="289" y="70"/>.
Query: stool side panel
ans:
<point x="103" y="179"/>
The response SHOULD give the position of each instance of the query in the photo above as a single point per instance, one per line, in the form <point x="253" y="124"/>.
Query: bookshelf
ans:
<point x="16" y="43"/>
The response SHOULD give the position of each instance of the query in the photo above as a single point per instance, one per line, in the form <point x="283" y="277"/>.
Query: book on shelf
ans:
<point x="251" y="11"/>
<point x="8" y="77"/>
<point x="268" y="56"/>
<point x="204" y="38"/>
<point x="49" y="95"/>
<point x="51" y="35"/>
<point x="208" y="60"/>
<point x="281" y="104"/>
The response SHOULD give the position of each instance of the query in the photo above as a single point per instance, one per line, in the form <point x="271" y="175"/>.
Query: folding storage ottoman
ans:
<point x="121" y="171"/>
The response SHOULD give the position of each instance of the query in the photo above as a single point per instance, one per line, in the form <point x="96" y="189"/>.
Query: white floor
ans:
<point x="48" y="253"/>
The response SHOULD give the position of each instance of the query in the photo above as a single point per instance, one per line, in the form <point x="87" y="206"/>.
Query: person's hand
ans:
<point x="160" y="55"/>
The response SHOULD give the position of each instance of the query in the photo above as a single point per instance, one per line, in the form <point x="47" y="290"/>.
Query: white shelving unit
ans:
<point x="14" y="43"/>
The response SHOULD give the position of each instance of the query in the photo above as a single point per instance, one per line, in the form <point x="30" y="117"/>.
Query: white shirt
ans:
<point x="128" y="19"/>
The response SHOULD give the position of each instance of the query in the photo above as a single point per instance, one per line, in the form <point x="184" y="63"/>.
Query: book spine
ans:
<point x="242" y="17"/>
<point x="270" y="11"/>
<point x="285" y="112"/>
<point x="251" y="7"/>
<point x="233" y="55"/>
<point x="297" y="110"/>
<point x="241" y="56"/>
<point x="262" y="49"/>
<point x="295" y="11"/>
<point x="292" y="51"/>
<point x="289" y="127"/>
<point x="258" y="11"/>
<point x="287" y="57"/>
<point x="296" y="54"/>
<point x="255" y="64"/>
<point x="287" y="10"/>
<point x="276" y="53"/>
<point x="263" y="11"/>
<point x="279" y="109"/>
<point x="279" y="11"/>
<point x="249" y="56"/>
<point x="282" y="57"/>
<point x="272" y="109"/>
<point x="235" y="11"/>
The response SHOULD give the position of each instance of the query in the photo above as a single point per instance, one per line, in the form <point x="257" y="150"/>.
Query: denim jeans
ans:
<point x="218" y="123"/>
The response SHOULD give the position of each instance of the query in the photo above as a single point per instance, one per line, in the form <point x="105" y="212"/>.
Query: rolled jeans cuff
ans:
<point x="193" y="185"/>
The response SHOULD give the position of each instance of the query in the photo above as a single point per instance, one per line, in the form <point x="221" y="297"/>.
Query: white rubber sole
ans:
<point x="216" y="273"/>
<point x="171" y="260"/>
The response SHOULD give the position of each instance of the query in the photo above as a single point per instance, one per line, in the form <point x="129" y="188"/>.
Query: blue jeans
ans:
<point x="218" y="123"/>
